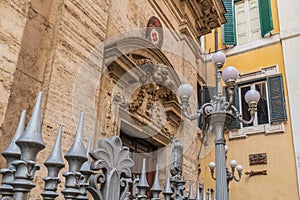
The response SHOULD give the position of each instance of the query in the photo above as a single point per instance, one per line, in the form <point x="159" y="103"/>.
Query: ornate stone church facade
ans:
<point x="119" y="62"/>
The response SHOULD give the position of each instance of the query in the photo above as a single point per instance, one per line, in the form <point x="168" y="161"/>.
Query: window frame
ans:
<point x="249" y="35"/>
<point x="252" y="86"/>
<point x="229" y="28"/>
<point x="274" y="126"/>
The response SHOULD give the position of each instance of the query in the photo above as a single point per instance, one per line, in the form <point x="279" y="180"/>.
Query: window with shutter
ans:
<point x="254" y="20"/>
<point x="271" y="106"/>
<point x="241" y="22"/>
<point x="209" y="92"/>
<point x="271" y="110"/>
<point x="200" y="103"/>
<point x="247" y="20"/>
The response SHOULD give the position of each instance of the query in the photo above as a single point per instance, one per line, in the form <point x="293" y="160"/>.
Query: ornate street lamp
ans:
<point x="218" y="113"/>
<point x="230" y="174"/>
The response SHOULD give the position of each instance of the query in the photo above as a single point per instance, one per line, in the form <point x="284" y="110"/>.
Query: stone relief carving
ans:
<point x="258" y="159"/>
<point x="157" y="114"/>
<point x="119" y="99"/>
<point x="152" y="100"/>
<point x="209" y="17"/>
<point x="156" y="87"/>
<point x="107" y="113"/>
<point x="154" y="72"/>
<point x="209" y="20"/>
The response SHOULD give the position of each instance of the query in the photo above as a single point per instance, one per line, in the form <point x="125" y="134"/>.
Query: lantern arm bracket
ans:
<point x="238" y="116"/>
<point x="200" y="112"/>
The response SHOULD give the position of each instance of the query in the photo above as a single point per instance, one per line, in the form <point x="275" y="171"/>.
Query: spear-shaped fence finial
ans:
<point x="191" y="194"/>
<point x="143" y="183"/>
<point x="30" y="144"/>
<point x="168" y="190"/>
<point x="11" y="153"/>
<point x="54" y="164"/>
<point x="76" y="156"/>
<point x="156" y="189"/>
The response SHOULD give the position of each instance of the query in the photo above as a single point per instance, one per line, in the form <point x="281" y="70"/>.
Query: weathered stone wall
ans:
<point x="29" y="31"/>
<point x="43" y="45"/>
<point x="82" y="27"/>
<point x="13" y="16"/>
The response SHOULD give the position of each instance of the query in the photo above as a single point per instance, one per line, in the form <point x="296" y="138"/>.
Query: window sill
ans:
<point x="261" y="129"/>
<point x="266" y="41"/>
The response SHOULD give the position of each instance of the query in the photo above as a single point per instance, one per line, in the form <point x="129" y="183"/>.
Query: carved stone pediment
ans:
<point x="154" y="72"/>
<point x="142" y="84"/>
<point x="207" y="15"/>
<point x="150" y="101"/>
<point x="156" y="90"/>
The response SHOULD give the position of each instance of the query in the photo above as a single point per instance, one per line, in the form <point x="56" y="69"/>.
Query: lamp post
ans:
<point x="218" y="113"/>
<point x="230" y="174"/>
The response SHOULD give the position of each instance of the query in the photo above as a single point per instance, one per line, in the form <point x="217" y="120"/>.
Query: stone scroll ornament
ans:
<point x="154" y="32"/>
<point x="114" y="163"/>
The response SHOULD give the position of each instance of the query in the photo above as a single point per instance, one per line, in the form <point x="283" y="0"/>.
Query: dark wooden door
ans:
<point x="140" y="149"/>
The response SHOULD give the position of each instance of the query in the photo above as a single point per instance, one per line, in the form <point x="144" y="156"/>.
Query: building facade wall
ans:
<point x="289" y="31"/>
<point x="61" y="48"/>
<point x="248" y="58"/>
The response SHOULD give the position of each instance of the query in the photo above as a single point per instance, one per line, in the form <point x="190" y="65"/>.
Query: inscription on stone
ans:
<point x="258" y="159"/>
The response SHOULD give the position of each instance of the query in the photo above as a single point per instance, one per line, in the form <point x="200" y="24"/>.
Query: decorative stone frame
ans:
<point x="127" y="61"/>
<point x="264" y="128"/>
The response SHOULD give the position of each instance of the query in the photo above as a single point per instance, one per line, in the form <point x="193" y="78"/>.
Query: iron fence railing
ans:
<point x="104" y="172"/>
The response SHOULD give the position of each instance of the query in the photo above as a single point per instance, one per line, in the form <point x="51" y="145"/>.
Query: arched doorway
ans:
<point x="138" y="101"/>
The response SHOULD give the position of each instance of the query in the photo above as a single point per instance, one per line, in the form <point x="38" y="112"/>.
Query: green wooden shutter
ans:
<point x="208" y="93"/>
<point x="228" y="29"/>
<point x="265" y="13"/>
<point x="276" y="99"/>
<point x="235" y="124"/>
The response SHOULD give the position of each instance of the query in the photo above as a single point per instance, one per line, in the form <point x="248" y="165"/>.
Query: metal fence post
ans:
<point x="30" y="144"/>
<point x="168" y="190"/>
<point x="76" y="156"/>
<point x="143" y="183"/>
<point x="86" y="172"/>
<point x="156" y="189"/>
<point x="54" y="164"/>
<point x="11" y="153"/>
<point x="113" y="160"/>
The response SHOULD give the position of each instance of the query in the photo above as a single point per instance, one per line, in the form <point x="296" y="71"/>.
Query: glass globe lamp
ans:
<point x="218" y="58"/>
<point x="239" y="168"/>
<point x="211" y="165"/>
<point x="230" y="73"/>
<point x="233" y="163"/>
<point x="185" y="90"/>
<point x="252" y="96"/>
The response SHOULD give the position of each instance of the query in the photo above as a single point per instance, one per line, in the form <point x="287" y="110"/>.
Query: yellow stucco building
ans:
<point x="265" y="149"/>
